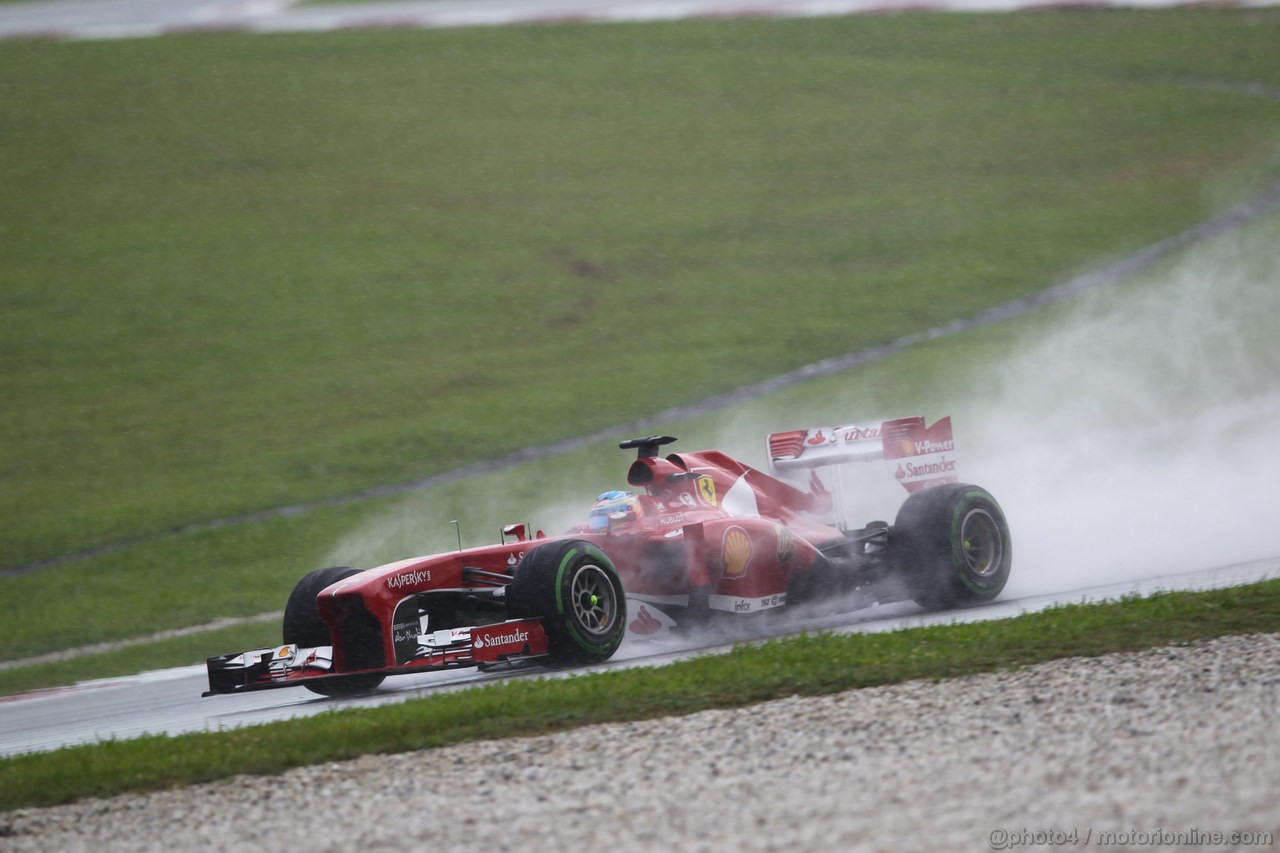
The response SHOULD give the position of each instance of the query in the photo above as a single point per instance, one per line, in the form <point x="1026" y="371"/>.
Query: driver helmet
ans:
<point x="614" y="506"/>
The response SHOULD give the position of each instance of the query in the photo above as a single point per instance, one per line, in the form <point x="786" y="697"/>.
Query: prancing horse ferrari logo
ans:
<point x="707" y="490"/>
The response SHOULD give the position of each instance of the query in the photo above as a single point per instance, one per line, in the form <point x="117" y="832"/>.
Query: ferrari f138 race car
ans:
<point x="704" y="537"/>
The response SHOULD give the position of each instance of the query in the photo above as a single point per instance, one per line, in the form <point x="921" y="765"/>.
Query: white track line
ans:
<point x="115" y="645"/>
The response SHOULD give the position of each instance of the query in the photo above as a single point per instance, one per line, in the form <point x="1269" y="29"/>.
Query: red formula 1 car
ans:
<point x="704" y="538"/>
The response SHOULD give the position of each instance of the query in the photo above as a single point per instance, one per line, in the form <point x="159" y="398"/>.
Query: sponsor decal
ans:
<point x="707" y="490"/>
<point x="910" y="437"/>
<point x="507" y="639"/>
<point x="512" y="559"/>
<point x="786" y="545"/>
<point x="409" y="579"/>
<point x="678" y="518"/>
<point x="644" y="623"/>
<point x="736" y="552"/>
<point x="907" y="470"/>
<point x="734" y="604"/>
<point x="403" y="632"/>
<point x="860" y="433"/>
<point x="484" y="641"/>
<point x="446" y="637"/>
<point x="820" y="500"/>
<point x="817" y="438"/>
<point x="920" y="456"/>
<point x="284" y="652"/>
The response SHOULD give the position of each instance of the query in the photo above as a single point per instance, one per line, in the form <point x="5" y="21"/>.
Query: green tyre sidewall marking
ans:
<point x="967" y="501"/>
<point x="563" y="576"/>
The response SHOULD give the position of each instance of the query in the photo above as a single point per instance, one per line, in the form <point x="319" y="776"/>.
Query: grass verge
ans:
<point x="242" y="271"/>
<point x="245" y="570"/>
<point x="807" y="665"/>
<point x="159" y="654"/>
<point x="248" y="569"/>
<point x="292" y="247"/>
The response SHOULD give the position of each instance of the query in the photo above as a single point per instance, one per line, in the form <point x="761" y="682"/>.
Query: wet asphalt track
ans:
<point x="169" y="701"/>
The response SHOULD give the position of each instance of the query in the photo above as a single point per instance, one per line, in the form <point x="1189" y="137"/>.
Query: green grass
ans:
<point x="249" y="569"/>
<point x="807" y="666"/>
<point x="246" y="570"/>
<point x="195" y="322"/>
<point x="145" y="656"/>
<point x="238" y="272"/>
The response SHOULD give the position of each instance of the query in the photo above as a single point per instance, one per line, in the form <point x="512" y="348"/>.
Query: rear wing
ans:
<point x="919" y="456"/>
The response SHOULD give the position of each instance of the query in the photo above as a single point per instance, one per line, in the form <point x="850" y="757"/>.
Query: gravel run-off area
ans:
<point x="1161" y="749"/>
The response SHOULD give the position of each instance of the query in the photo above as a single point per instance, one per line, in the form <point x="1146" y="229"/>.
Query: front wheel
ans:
<point x="304" y="627"/>
<point x="574" y="589"/>
<point x="953" y="545"/>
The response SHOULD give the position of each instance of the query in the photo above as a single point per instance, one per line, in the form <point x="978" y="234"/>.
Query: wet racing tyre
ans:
<point x="304" y="627"/>
<point x="953" y="546"/>
<point x="574" y="589"/>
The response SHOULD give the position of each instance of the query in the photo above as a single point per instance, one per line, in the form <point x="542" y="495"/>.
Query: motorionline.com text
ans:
<point x="1008" y="839"/>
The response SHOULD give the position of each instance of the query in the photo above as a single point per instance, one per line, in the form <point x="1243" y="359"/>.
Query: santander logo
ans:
<point x="644" y="623"/>
<point x="480" y="641"/>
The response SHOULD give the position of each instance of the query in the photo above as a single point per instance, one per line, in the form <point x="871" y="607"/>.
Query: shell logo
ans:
<point x="736" y="551"/>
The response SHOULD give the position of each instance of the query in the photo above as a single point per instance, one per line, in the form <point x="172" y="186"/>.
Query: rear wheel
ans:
<point x="304" y="627"/>
<point x="953" y="545"/>
<point x="574" y="589"/>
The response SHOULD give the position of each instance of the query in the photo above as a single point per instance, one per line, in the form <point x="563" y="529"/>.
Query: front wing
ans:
<point x="289" y="665"/>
